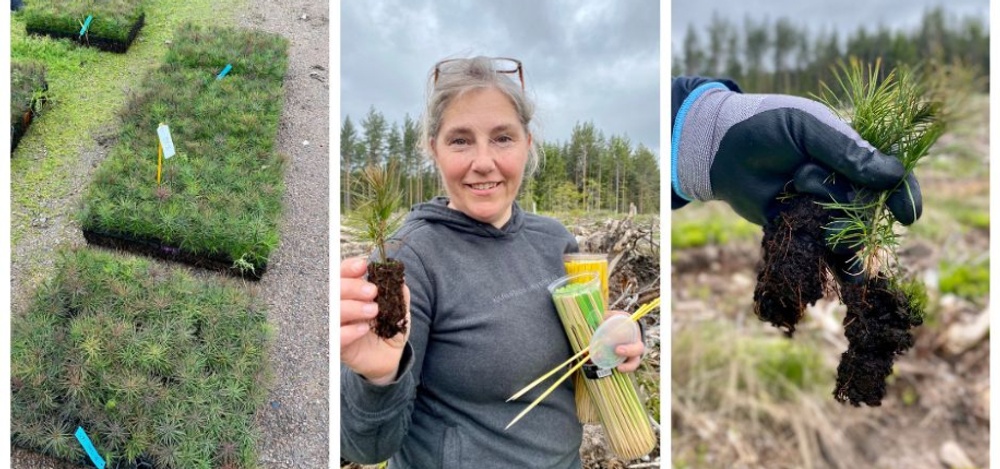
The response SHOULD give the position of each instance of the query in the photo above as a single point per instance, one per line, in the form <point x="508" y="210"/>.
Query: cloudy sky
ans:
<point x="843" y="15"/>
<point x="591" y="60"/>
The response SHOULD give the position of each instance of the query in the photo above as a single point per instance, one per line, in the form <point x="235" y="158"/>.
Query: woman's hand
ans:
<point x="632" y="352"/>
<point x="360" y="349"/>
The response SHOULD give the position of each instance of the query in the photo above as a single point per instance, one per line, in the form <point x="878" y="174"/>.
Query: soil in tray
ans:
<point x="20" y="128"/>
<point x="388" y="277"/>
<point x="28" y="93"/>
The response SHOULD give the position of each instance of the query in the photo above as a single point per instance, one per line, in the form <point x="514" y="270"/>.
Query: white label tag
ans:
<point x="165" y="141"/>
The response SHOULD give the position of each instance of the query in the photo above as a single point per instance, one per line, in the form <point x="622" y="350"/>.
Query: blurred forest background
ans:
<point x="784" y="57"/>
<point x="744" y="395"/>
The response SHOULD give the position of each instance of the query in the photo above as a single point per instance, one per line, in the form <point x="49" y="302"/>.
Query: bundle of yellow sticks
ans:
<point x="581" y="305"/>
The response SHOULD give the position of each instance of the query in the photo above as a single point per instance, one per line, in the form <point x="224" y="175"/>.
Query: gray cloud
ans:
<point x="584" y="60"/>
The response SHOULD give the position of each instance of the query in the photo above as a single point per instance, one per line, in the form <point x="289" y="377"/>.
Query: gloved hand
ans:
<point x="746" y="149"/>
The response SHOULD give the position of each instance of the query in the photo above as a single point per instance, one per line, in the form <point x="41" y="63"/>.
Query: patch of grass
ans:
<point x="968" y="280"/>
<point x="970" y="212"/>
<point x="974" y="218"/>
<point x="87" y="88"/>
<point x="769" y="367"/>
<point x="691" y="233"/>
<point x="112" y="20"/>
<point x="27" y="93"/>
<point x="220" y="196"/>
<point x="965" y="150"/>
<point x="736" y="385"/>
<point x="151" y="361"/>
<point x="946" y="214"/>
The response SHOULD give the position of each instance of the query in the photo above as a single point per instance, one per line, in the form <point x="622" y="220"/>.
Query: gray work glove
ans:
<point x="745" y="149"/>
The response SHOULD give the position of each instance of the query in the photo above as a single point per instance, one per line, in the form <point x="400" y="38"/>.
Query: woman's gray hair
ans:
<point x="453" y="78"/>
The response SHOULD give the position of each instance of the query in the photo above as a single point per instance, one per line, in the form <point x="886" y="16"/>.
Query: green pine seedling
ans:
<point x="381" y="198"/>
<point x="896" y="115"/>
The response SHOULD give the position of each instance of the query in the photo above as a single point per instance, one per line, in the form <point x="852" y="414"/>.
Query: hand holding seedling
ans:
<point x="814" y="182"/>
<point x="361" y="350"/>
<point x="749" y="149"/>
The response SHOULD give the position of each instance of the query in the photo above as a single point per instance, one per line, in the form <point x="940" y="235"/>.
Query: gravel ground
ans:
<point x="294" y="424"/>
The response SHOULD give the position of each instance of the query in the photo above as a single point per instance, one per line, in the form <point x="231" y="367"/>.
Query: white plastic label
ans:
<point x="165" y="141"/>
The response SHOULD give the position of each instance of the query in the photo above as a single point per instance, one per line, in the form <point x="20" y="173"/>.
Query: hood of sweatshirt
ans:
<point x="436" y="211"/>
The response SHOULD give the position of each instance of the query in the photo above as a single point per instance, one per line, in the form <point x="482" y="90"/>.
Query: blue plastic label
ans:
<point x="224" y="72"/>
<point x="86" y="24"/>
<point x="84" y="440"/>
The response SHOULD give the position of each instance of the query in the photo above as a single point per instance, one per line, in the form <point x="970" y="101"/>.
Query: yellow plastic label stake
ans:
<point x="159" y="162"/>
<point x="164" y="148"/>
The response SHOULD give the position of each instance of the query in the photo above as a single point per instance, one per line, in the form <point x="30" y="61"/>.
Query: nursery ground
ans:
<point x="55" y="161"/>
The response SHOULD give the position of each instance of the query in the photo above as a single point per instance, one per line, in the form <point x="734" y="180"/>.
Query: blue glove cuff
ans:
<point x="675" y="137"/>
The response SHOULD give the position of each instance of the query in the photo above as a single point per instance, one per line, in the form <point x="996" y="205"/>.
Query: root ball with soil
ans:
<point x="791" y="275"/>
<point x="797" y="269"/>
<point x="877" y="325"/>
<point x="381" y="198"/>
<point x="391" y="318"/>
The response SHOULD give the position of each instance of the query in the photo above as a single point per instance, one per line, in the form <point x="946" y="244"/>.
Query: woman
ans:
<point x="482" y="323"/>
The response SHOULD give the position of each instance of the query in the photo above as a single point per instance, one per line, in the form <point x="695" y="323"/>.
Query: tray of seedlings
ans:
<point x="216" y="203"/>
<point x="154" y="367"/>
<point x="251" y="54"/>
<point x="109" y="25"/>
<point x="27" y="94"/>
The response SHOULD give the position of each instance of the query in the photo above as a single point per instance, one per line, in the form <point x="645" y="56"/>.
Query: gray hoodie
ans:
<point x="482" y="327"/>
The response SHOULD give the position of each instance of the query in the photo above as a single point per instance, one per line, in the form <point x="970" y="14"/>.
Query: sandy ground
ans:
<point x="294" y="423"/>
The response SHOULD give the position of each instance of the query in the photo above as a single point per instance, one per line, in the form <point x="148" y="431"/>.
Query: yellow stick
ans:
<point x="159" y="162"/>
<point x="527" y="388"/>
<point x="642" y="311"/>
<point x="545" y="394"/>
<point x="639" y="313"/>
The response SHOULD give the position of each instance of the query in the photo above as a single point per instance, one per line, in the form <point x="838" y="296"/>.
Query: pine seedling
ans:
<point x="380" y="199"/>
<point x="894" y="114"/>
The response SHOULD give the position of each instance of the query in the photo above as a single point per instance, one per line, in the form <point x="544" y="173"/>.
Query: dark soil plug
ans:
<point x="877" y="325"/>
<point x="791" y="275"/>
<point x="388" y="277"/>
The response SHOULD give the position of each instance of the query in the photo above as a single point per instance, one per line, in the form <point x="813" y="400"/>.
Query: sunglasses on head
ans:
<point x="498" y="64"/>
